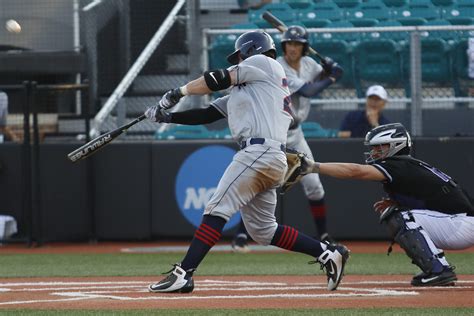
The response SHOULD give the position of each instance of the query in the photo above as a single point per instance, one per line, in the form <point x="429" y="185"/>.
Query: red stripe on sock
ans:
<point x="209" y="236"/>
<point x="211" y="231"/>
<point x="290" y="239"/>
<point x="318" y="211"/>
<point x="205" y="238"/>
<point x="282" y="237"/>
<point x="293" y="240"/>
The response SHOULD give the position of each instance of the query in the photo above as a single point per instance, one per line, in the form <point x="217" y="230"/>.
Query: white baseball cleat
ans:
<point x="177" y="282"/>
<point x="333" y="261"/>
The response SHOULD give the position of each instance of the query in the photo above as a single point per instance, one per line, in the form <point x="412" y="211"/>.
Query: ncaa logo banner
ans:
<point x="197" y="181"/>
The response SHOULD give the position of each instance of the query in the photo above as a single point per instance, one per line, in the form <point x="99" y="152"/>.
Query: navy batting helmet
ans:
<point x="252" y="43"/>
<point x="295" y="33"/>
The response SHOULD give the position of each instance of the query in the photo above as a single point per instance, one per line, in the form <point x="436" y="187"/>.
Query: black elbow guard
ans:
<point x="217" y="79"/>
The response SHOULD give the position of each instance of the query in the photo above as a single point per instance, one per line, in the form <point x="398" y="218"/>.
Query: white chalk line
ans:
<point x="106" y="289"/>
<point x="202" y="283"/>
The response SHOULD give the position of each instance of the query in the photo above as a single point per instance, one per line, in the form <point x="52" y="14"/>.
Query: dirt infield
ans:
<point x="234" y="292"/>
<point x="224" y="292"/>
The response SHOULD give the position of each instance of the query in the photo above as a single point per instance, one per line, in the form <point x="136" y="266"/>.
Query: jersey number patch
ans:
<point x="436" y="172"/>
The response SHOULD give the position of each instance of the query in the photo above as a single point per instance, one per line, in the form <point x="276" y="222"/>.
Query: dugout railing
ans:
<point x="31" y="124"/>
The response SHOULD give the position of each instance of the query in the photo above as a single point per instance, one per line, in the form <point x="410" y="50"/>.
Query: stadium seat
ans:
<point x="345" y="36"/>
<point x="325" y="10"/>
<point x="376" y="61"/>
<point x="320" y="15"/>
<point x="425" y="10"/>
<point x="222" y="134"/>
<point x="185" y="132"/>
<point x="315" y="130"/>
<point x="461" y="13"/>
<point x="281" y="10"/>
<point x="460" y="65"/>
<point x="219" y="48"/>
<point x="395" y="3"/>
<point x="368" y="10"/>
<point x="443" y="3"/>
<point x="396" y="36"/>
<point x="446" y="35"/>
<point x="435" y="61"/>
<point x="364" y="22"/>
<point x="412" y="21"/>
<point x="347" y="3"/>
<point x="340" y="52"/>
<point x="245" y="26"/>
<point x="460" y="61"/>
<point x="298" y="4"/>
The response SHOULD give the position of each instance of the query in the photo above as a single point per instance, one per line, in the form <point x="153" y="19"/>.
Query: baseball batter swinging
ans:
<point x="306" y="79"/>
<point x="258" y="110"/>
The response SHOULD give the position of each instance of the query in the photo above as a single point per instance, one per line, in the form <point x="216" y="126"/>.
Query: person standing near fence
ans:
<point x="5" y="132"/>
<point x="258" y="110"/>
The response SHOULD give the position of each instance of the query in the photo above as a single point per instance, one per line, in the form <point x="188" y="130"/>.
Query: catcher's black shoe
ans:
<point x="240" y="244"/>
<point x="179" y="281"/>
<point x="443" y="278"/>
<point x="333" y="261"/>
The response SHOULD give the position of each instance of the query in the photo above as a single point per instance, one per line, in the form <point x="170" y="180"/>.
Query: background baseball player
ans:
<point x="426" y="210"/>
<point x="306" y="79"/>
<point x="258" y="113"/>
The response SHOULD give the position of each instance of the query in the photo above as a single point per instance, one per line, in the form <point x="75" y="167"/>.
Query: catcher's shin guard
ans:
<point x="416" y="243"/>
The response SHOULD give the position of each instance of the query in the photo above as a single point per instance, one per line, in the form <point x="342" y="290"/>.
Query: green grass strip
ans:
<point x="79" y="265"/>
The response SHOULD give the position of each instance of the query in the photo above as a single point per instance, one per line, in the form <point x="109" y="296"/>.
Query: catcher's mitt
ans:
<point x="297" y="168"/>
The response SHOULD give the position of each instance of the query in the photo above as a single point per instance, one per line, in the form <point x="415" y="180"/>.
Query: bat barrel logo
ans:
<point x="87" y="149"/>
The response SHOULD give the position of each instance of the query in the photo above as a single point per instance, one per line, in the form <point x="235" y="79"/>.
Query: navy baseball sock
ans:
<point x="205" y="237"/>
<point x="288" y="238"/>
<point x="318" y="211"/>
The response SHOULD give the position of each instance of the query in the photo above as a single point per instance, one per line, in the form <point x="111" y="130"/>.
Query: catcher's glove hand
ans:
<point x="297" y="168"/>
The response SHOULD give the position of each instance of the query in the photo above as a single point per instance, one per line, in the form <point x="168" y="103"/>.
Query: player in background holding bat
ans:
<point x="306" y="79"/>
<point x="258" y="110"/>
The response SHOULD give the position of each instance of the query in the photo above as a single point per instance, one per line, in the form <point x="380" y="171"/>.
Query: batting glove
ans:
<point x="336" y="72"/>
<point x="327" y="64"/>
<point x="170" y="99"/>
<point x="157" y="114"/>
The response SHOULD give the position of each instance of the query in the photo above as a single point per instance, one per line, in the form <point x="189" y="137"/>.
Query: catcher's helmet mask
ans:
<point x="295" y="33"/>
<point x="252" y="43"/>
<point x="386" y="141"/>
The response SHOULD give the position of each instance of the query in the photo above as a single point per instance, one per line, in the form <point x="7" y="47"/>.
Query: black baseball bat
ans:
<point x="99" y="142"/>
<point x="279" y="25"/>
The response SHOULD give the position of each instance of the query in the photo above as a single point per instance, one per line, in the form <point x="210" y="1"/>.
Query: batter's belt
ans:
<point x="261" y="141"/>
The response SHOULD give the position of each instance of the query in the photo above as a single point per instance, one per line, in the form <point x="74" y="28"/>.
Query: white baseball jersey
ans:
<point x="309" y="70"/>
<point x="255" y="108"/>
